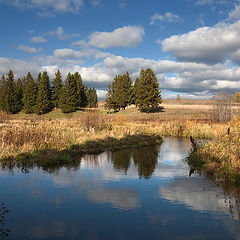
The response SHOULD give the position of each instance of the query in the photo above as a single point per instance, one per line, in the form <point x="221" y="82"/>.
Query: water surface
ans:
<point x="130" y="194"/>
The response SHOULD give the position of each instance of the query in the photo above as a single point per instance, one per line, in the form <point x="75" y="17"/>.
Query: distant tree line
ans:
<point x="40" y="96"/>
<point x="144" y="93"/>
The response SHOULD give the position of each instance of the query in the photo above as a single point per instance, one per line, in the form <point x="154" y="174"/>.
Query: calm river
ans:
<point x="130" y="194"/>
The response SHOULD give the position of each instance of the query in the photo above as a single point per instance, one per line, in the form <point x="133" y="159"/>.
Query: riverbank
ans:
<point x="220" y="158"/>
<point x="56" y="140"/>
<point x="19" y="136"/>
<point x="50" y="140"/>
<point x="70" y="157"/>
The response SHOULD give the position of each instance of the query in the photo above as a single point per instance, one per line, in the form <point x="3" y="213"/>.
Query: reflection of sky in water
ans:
<point x="170" y="163"/>
<point x="198" y="194"/>
<point x="105" y="198"/>
<point x="119" y="198"/>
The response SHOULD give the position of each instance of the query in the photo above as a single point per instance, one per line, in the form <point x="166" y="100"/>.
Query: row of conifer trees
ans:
<point x="40" y="96"/>
<point x="144" y="93"/>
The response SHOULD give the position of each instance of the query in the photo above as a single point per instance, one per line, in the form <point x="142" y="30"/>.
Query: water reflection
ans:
<point x="46" y="230"/>
<point x="4" y="232"/>
<point x="121" y="160"/>
<point x="201" y="195"/>
<point x="146" y="160"/>
<point x="142" y="194"/>
<point x="25" y="166"/>
<point x="126" y="199"/>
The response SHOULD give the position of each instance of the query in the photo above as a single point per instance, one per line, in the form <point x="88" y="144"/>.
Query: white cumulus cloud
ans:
<point x="38" y="39"/>
<point x="206" y="44"/>
<point x="212" y="2"/>
<point x="48" y="7"/>
<point x="28" y="49"/>
<point x="95" y="3"/>
<point x="129" y="36"/>
<point x="61" y="34"/>
<point x="194" y="79"/>
<point x="167" y="17"/>
<point x="19" y="67"/>
<point x="235" y="13"/>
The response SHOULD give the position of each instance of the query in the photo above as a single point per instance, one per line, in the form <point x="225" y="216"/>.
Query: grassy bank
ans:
<point x="28" y="135"/>
<point x="52" y="159"/>
<point x="220" y="158"/>
<point x="53" y="137"/>
<point x="90" y="133"/>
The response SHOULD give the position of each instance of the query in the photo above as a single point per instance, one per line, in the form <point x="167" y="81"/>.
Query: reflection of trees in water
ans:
<point x="231" y="192"/>
<point x="50" y="165"/>
<point x="3" y="230"/>
<point x="232" y="200"/>
<point x="121" y="160"/>
<point x="91" y="160"/>
<point x="146" y="160"/>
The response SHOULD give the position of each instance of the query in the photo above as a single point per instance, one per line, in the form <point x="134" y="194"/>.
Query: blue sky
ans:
<point x="192" y="45"/>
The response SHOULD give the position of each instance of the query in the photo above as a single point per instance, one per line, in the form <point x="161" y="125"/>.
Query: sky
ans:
<point x="193" y="46"/>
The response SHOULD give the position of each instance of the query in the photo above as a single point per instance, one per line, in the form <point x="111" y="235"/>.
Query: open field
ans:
<point x="197" y="110"/>
<point x="170" y="112"/>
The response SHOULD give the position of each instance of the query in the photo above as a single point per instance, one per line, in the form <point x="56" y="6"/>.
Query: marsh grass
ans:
<point x="3" y="117"/>
<point x="95" y="122"/>
<point x="220" y="158"/>
<point x="19" y="136"/>
<point x="27" y="136"/>
<point x="58" y="139"/>
<point x="52" y="159"/>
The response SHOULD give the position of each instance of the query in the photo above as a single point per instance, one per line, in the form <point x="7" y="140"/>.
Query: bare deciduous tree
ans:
<point x="222" y="107"/>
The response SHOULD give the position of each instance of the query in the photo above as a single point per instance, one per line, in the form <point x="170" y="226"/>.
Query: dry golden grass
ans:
<point x="3" y="117"/>
<point x="21" y="136"/>
<point x="186" y="102"/>
<point x="56" y="131"/>
<point x="36" y="133"/>
<point x="221" y="157"/>
<point x="171" y="110"/>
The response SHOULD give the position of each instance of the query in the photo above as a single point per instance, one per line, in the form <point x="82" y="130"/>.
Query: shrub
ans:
<point x="92" y="120"/>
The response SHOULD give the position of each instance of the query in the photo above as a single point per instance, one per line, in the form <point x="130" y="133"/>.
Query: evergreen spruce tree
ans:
<point x="38" y="80"/>
<point x="87" y="94"/>
<point x="12" y="101"/>
<point x="117" y="92"/>
<point x="20" y="92"/>
<point x="134" y="92"/>
<point x="3" y="93"/>
<point x="29" y="94"/>
<point x="148" y="96"/>
<point x="57" y="89"/>
<point x="69" y="97"/>
<point x="24" y="83"/>
<point x="63" y="99"/>
<point x="44" y="97"/>
<point x="82" y="97"/>
<point x="92" y="98"/>
<point x="123" y="90"/>
<point x="109" y="98"/>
